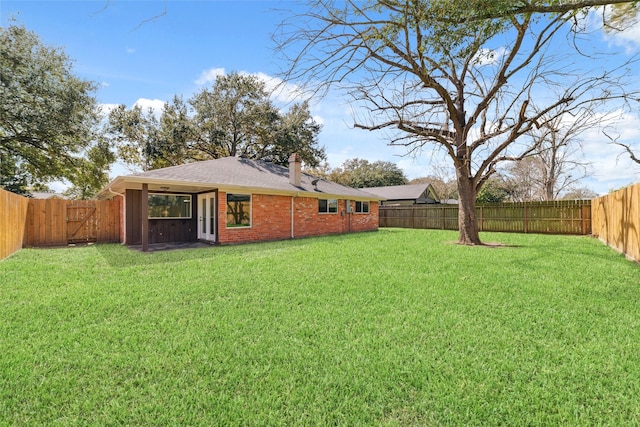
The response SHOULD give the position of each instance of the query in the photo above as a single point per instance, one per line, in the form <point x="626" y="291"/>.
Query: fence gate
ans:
<point x="82" y="224"/>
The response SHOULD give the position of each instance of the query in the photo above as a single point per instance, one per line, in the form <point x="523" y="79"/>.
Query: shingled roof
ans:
<point x="231" y="174"/>
<point x="400" y="192"/>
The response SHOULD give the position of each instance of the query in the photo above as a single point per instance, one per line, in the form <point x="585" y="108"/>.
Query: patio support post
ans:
<point x="145" y="217"/>
<point x="216" y="240"/>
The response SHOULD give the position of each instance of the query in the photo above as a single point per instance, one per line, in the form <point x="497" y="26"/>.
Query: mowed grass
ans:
<point x="393" y="328"/>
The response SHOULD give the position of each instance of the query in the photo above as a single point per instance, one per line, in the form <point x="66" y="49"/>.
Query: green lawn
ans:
<point x="398" y="327"/>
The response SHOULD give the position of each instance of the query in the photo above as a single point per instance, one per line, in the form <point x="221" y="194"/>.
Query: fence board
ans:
<point x="48" y="222"/>
<point x="13" y="213"/>
<point x="616" y="220"/>
<point x="557" y="217"/>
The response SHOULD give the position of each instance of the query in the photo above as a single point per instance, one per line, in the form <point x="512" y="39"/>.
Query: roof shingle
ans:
<point x="236" y="172"/>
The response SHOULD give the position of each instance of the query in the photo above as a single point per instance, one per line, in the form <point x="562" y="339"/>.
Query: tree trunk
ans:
<point x="467" y="220"/>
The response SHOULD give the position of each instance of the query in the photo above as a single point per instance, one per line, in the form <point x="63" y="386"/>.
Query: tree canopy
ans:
<point x="360" y="173"/>
<point x="48" y="116"/>
<point x="469" y="78"/>
<point x="235" y="117"/>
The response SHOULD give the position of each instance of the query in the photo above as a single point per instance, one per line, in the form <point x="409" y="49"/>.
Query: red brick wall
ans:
<point x="271" y="219"/>
<point x="365" y="222"/>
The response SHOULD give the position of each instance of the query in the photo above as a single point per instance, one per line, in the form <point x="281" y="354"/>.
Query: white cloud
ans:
<point x="281" y="91"/>
<point x="611" y="164"/>
<point x="155" y="105"/>
<point x="628" y="37"/>
<point x="130" y="50"/>
<point x="105" y="109"/>
<point x="209" y="76"/>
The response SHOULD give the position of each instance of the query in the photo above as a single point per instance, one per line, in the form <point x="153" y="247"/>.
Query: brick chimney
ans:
<point x="295" y="169"/>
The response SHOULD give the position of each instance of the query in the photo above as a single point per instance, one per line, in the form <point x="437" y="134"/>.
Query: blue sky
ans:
<point x="179" y="52"/>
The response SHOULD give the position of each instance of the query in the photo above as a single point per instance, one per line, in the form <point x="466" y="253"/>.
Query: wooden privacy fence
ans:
<point x="54" y="222"/>
<point x="13" y="218"/>
<point x="557" y="217"/>
<point x="616" y="220"/>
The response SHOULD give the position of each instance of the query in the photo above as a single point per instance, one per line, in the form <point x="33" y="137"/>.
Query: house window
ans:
<point x="169" y="206"/>
<point x="238" y="210"/>
<point x="362" y="207"/>
<point x="327" y="206"/>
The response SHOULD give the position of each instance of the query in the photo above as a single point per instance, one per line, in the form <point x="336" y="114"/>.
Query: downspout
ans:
<point x="124" y="214"/>
<point x="292" y="218"/>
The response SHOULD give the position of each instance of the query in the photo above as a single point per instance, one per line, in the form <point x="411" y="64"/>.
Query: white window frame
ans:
<point x="328" y="211"/>
<point x="362" y="203"/>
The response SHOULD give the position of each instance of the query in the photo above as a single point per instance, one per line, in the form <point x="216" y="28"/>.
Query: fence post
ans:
<point x="526" y="222"/>
<point x="583" y="214"/>
<point x="413" y="216"/>
<point x="481" y="219"/>
<point x="442" y="209"/>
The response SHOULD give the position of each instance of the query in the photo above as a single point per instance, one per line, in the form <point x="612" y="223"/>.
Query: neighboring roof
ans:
<point x="399" y="192"/>
<point x="46" y="195"/>
<point x="230" y="174"/>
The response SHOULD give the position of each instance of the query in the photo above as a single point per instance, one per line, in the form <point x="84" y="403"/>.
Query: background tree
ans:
<point x="47" y="115"/>
<point x="90" y="175"/>
<point x="360" y="173"/>
<point x="462" y="76"/>
<point x="558" y="144"/>
<point x="293" y="132"/>
<point x="12" y="177"/>
<point x="443" y="181"/>
<point x="135" y="134"/>
<point x="235" y="117"/>
<point x="495" y="190"/>
<point x="579" y="193"/>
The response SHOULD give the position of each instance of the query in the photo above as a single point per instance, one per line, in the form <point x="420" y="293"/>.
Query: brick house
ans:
<point x="236" y="200"/>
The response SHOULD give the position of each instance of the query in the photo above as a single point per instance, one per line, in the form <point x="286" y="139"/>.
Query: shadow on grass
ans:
<point x="117" y="255"/>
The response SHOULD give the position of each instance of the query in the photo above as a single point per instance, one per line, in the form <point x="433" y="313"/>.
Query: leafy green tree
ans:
<point x="293" y="132"/>
<point x="47" y="115"/>
<point x="236" y="117"/>
<point x="12" y="177"/>
<point x="462" y="77"/>
<point x="233" y="118"/>
<point x="360" y="173"/>
<point x="90" y="175"/>
<point x="134" y="133"/>
<point x="495" y="190"/>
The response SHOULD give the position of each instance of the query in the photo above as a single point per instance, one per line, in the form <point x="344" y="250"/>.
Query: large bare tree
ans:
<point x="469" y="77"/>
<point x="555" y="166"/>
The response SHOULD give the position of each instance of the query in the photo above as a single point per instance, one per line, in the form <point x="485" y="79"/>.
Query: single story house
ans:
<point x="401" y="195"/>
<point x="236" y="200"/>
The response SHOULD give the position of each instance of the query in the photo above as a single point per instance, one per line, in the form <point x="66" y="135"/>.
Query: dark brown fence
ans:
<point x="557" y="217"/>
<point x="55" y="222"/>
<point x="13" y="216"/>
<point x="616" y="220"/>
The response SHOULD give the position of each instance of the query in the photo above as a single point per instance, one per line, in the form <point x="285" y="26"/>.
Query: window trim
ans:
<point x="362" y="203"/>
<point x="190" y="196"/>
<point x="226" y="213"/>
<point x="328" y="211"/>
